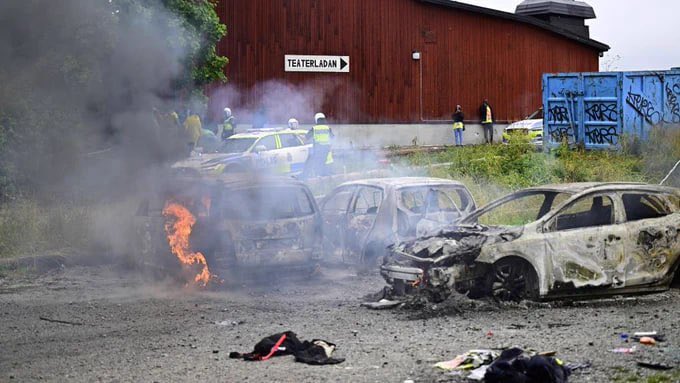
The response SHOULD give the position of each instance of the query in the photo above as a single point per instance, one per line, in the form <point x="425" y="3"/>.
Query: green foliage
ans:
<point x="200" y="19"/>
<point x="26" y="228"/>
<point x="491" y="171"/>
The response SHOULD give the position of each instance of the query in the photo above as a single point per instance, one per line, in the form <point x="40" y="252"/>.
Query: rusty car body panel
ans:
<point x="579" y="240"/>
<point x="242" y="222"/>
<point x="361" y="218"/>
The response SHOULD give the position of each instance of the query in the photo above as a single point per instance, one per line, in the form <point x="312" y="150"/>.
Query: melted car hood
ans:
<point x="451" y="245"/>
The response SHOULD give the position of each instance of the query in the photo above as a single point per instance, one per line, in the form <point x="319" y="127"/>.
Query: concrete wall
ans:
<point x="383" y="135"/>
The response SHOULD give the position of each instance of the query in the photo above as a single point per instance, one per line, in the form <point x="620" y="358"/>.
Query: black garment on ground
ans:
<point x="512" y="367"/>
<point x="305" y="352"/>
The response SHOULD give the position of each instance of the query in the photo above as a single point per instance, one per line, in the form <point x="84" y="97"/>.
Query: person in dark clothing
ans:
<point x="486" y="113"/>
<point x="458" y="125"/>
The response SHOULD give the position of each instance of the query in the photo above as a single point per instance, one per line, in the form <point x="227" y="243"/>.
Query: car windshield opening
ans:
<point x="268" y="203"/>
<point x="523" y="209"/>
<point x="236" y="145"/>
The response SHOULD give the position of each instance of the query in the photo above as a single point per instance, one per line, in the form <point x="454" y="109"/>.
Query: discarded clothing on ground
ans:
<point x="468" y="361"/>
<point x="317" y="352"/>
<point x="515" y="367"/>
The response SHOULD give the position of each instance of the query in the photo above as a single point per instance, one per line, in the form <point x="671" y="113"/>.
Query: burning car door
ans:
<point x="335" y="209"/>
<point x="585" y="243"/>
<point x="653" y="237"/>
<point x="361" y="219"/>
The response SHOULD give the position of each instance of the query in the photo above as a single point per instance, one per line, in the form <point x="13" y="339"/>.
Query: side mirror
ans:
<point x="260" y="148"/>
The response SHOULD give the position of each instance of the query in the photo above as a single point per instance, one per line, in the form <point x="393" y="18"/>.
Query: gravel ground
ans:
<point x="130" y="329"/>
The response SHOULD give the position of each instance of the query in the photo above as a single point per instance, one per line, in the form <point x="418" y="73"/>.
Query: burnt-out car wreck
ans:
<point x="239" y="224"/>
<point x="361" y="218"/>
<point x="556" y="241"/>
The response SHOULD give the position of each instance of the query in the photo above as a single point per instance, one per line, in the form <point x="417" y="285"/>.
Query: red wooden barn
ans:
<point x="410" y="61"/>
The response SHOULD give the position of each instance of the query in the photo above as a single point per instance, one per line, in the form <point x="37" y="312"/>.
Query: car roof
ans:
<point x="265" y="132"/>
<point x="581" y="187"/>
<point x="524" y="124"/>
<point x="400" y="182"/>
<point x="240" y="180"/>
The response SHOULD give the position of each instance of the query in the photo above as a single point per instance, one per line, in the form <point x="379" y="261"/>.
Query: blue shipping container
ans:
<point x="597" y="109"/>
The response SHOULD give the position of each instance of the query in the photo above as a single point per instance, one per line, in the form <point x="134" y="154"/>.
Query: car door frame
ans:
<point x="590" y="245"/>
<point x="369" y="233"/>
<point x="341" y="218"/>
<point x="295" y="156"/>
<point x="663" y="249"/>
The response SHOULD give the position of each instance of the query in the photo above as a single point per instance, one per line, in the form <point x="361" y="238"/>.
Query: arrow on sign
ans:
<point x="343" y="63"/>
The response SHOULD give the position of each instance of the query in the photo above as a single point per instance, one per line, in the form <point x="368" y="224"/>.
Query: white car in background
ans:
<point x="282" y="151"/>
<point x="533" y="128"/>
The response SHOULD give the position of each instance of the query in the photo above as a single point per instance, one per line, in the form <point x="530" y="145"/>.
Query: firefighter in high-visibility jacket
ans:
<point x="228" y="124"/>
<point x="321" y="157"/>
<point x="192" y="126"/>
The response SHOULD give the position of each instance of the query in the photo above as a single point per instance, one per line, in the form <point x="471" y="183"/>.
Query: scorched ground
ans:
<point x="127" y="329"/>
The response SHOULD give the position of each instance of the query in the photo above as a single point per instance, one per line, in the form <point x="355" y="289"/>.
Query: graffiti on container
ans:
<point x="558" y="114"/>
<point x="602" y="135"/>
<point x="602" y="112"/>
<point x="672" y="100"/>
<point x="644" y="107"/>
<point x="559" y="133"/>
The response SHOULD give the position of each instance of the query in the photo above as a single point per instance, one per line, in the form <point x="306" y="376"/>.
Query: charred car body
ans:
<point x="549" y="242"/>
<point x="241" y="222"/>
<point x="361" y="218"/>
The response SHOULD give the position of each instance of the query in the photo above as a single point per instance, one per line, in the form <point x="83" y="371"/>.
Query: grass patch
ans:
<point x="519" y="165"/>
<point x="626" y="376"/>
<point x="28" y="228"/>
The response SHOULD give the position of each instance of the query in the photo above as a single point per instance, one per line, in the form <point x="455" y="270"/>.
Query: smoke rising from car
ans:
<point x="80" y="82"/>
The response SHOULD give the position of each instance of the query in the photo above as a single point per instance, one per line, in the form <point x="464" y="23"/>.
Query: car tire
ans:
<point x="512" y="279"/>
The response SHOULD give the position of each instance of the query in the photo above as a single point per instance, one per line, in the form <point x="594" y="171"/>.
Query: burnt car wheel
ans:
<point x="514" y="280"/>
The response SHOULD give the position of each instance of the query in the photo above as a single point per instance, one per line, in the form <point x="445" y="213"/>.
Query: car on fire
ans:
<point x="555" y="241"/>
<point x="281" y="151"/>
<point x="361" y="218"/>
<point x="242" y="223"/>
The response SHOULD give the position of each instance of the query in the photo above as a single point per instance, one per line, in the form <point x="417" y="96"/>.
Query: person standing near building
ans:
<point x="458" y="125"/>
<point x="320" y="134"/>
<point x="228" y="124"/>
<point x="486" y="112"/>
<point x="192" y="126"/>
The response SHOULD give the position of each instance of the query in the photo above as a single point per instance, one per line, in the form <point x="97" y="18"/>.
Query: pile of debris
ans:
<point x="513" y="365"/>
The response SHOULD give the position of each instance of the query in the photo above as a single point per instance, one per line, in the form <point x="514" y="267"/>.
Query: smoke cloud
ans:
<point x="80" y="81"/>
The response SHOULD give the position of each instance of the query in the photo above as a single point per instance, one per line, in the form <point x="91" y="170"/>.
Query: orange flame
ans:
<point x="178" y="238"/>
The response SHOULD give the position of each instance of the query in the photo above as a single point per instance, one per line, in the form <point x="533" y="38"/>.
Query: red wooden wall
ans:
<point x="466" y="56"/>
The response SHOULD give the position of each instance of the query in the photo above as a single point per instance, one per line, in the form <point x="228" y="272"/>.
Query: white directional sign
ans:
<point x="328" y="64"/>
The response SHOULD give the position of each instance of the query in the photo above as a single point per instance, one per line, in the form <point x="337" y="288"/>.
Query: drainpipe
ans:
<point x="418" y="57"/>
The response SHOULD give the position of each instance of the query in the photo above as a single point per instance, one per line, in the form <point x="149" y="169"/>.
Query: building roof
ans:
<point x="571" y="8"/>
<point x="522" y="19"/>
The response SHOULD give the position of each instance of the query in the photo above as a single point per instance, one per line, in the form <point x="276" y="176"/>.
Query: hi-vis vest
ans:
<point x="322" y="134"/>
<point x="487" y="115"/>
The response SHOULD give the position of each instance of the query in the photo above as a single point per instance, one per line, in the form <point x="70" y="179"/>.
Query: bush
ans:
<point x="491" y="171"/>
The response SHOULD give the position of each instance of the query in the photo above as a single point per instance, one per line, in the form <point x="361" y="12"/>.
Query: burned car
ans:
<point x="586" y="239"/>
<point x="236" y="222"/>
<point x="361" y="218"/>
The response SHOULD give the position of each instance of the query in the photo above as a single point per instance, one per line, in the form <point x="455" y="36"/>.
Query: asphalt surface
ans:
<point x="118" y="326"/>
